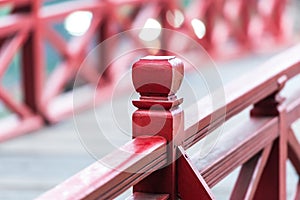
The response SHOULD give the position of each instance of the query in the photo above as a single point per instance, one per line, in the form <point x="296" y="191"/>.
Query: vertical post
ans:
<point x="157" y="79"/>
<point x="106" y="30"/>
<point x="272" y="183"/>
<point x="32" y="60"/>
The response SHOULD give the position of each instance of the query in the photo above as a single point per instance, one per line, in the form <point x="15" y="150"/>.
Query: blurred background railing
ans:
<point x="43" y="45"/>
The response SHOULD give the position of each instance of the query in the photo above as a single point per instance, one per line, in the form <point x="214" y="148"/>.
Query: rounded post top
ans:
<point x="157" y="76"/>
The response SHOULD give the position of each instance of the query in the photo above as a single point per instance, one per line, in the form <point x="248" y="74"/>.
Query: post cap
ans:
<point x="157" y="75"/>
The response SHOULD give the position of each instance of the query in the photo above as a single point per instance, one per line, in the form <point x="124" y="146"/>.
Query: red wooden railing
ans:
<point x="261" y="143"/>
<point x="31" y="23"/>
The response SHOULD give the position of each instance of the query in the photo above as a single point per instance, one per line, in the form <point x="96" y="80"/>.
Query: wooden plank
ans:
<point x="256" y="85"/>
<point x="147" y="196"/>
<point x="236" y="147"/>
<point x="115" y="173"/>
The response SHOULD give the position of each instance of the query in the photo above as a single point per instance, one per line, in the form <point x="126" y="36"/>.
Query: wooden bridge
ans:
<point x="155" y="162"/>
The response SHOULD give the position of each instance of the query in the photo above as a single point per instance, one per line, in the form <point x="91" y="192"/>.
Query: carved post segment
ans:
<point x="157" y="79"/>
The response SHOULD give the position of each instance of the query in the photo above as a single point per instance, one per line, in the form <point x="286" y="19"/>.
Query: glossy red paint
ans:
<point x="157" y="76"/>
<point x="191" y="184"/>
<point x="157" y="79"/>
<point x="114" y="173"/>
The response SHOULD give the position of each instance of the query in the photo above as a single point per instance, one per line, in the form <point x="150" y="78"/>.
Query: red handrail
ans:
<point x="275" y="73"/>
<point x="260" y="143"/>
<point x="115" y="173"/>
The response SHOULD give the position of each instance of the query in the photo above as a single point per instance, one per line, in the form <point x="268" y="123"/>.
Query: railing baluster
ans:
<point x="272" y="183"/>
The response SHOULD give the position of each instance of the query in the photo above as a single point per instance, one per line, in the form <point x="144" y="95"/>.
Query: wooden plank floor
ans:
<point x="34" y="163"/>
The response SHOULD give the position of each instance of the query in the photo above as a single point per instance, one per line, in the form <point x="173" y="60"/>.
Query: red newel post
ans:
<point x="157" y="79"/>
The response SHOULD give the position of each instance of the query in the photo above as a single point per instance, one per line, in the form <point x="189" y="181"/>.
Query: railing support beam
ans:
<point x="273" y="180"/>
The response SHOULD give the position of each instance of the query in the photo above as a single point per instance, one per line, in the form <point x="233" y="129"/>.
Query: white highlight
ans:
<point x="199" y="28"/>
<point x="151" y="30"/>
<point x="77" y="23"/>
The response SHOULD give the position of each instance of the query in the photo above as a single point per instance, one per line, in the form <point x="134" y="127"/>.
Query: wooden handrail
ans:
<point x="256" y="133"/>
<point x="225" y="158"/>
<point x="115" y="173"/>
<point x="258" y="143"/>
<point x="256" y="85"/>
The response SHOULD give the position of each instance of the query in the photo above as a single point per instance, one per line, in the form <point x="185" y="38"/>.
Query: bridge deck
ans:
<point x="34" y="163"/>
